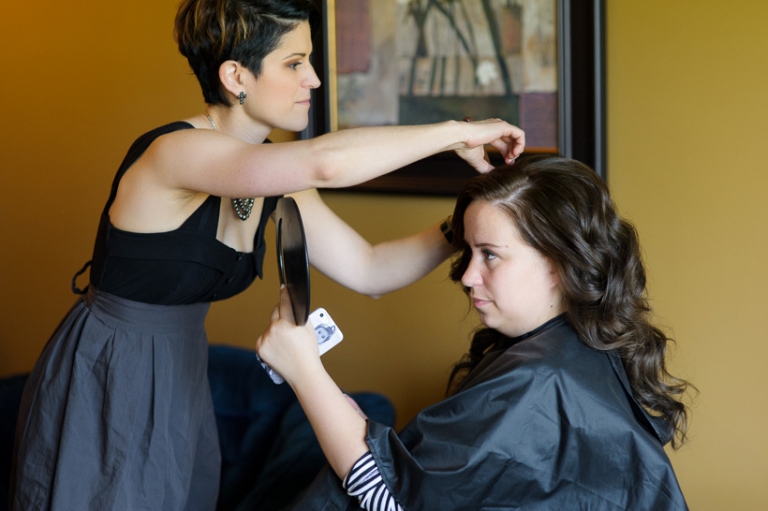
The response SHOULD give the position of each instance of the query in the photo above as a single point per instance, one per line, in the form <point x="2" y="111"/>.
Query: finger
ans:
<point x="518" y="142"/>
<point x="285" y="310"/>
<point x="488" y="166"/>
<point x="510" y="148"/>
<point x="275" y="314"/>
<point x="503" y="147"/>
<point x="259" y="342"/>
<point x="476" y="157"/>
<point x="506" y="151"/>
<point x="482" y="166"/>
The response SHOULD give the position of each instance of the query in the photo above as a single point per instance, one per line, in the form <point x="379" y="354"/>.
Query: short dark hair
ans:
<point x="210" y="32"/>
<point x="562" y="209"/>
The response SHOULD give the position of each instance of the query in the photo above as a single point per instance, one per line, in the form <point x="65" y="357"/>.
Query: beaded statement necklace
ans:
<point x="242" y="207"/>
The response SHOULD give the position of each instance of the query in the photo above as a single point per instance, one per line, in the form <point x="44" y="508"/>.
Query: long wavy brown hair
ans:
<point x="563" y="209"/>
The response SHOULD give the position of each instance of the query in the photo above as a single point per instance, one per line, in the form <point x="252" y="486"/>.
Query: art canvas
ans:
<point x="422" y="61"/>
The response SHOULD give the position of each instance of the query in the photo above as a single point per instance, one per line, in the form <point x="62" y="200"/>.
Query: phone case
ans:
<point x="327" y="332"/>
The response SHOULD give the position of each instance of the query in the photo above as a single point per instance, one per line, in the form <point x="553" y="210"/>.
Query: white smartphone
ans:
<point x="327" y="332"/>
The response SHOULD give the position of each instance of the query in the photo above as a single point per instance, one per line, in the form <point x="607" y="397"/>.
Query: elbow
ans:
<point x="328" y="170"/>
<point x="378" y="290"/>
<point x="328" y="176"/>
<point x="371" y="291"/>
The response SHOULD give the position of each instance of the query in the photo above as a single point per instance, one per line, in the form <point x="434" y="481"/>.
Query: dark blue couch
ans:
<point x="269" y="452"/>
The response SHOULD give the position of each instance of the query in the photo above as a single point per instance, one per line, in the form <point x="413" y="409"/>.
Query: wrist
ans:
<point x="458" y="134"/>
<point x="306" y="375"/>
<point x="447" y="229"/>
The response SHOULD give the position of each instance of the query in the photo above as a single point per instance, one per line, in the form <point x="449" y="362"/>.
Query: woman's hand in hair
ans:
<point x="509" y="140"/>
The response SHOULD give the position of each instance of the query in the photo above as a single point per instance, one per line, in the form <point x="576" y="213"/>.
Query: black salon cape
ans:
<point x="545" y="424"/>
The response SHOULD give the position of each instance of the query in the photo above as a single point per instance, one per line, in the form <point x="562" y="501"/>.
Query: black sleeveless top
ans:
<point x="184" y="266"/>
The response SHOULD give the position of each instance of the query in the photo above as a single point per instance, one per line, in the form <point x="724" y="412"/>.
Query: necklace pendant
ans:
<point x="243" y="208"/>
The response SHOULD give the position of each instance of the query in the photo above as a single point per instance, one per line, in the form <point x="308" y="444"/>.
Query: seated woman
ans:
<point x="563" y="401"/>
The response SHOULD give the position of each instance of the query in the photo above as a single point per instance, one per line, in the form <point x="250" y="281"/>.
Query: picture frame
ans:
<point x="572" y="125"/>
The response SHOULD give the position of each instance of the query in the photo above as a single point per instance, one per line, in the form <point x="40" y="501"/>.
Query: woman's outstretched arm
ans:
<point x="343" y="255"/>
<point x="292" y="352"/>
<point x="222" y="165"/>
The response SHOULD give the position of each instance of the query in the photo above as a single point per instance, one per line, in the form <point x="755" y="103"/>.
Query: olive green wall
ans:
<point x="687" y="86"/>
<point x="688" y="118"/>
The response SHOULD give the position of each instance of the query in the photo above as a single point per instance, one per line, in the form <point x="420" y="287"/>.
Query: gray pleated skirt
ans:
<point x="117" y="414"/>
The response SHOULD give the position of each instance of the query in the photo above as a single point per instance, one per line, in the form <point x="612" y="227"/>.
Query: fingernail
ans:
<point x="282" y="286"/>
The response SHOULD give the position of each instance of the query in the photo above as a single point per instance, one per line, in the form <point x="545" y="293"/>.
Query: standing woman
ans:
<point x="117" y="413"/>
<point x="563" y="400"/>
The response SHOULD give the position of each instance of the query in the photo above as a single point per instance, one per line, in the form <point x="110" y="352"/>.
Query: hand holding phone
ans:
<point x="327" y="333"/>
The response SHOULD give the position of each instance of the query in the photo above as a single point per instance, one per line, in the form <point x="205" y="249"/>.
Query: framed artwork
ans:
<point x="538" y="64"/>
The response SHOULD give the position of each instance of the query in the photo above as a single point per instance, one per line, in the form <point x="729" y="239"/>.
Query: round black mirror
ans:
<point x="292" y="260"/>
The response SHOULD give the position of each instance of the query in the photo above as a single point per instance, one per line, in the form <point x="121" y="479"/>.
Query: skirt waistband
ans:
<point x="146" y="317"/>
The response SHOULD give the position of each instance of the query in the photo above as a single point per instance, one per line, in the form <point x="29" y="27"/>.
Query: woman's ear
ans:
<point x="554" y="274"/>
<point x="555" y="280"/>
<point x="231" y="76"/>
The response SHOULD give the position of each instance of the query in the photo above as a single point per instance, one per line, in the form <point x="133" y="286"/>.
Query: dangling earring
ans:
<point x="241" y="97"/>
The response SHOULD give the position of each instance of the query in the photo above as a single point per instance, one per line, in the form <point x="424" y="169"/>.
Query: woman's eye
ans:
<point x="488" y="255"/>
<point x="294" y="65"/>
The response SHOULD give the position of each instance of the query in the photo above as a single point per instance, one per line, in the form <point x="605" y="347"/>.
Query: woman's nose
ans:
<point x="313" y="81"/>
<point x="471" y="277"/>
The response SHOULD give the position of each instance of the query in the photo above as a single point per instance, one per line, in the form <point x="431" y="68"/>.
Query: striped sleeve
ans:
<point x="364" y="482"/>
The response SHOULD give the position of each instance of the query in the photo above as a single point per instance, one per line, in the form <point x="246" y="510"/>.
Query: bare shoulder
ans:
<point x="149" y="198"/>
<point x="188" y="152"/>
